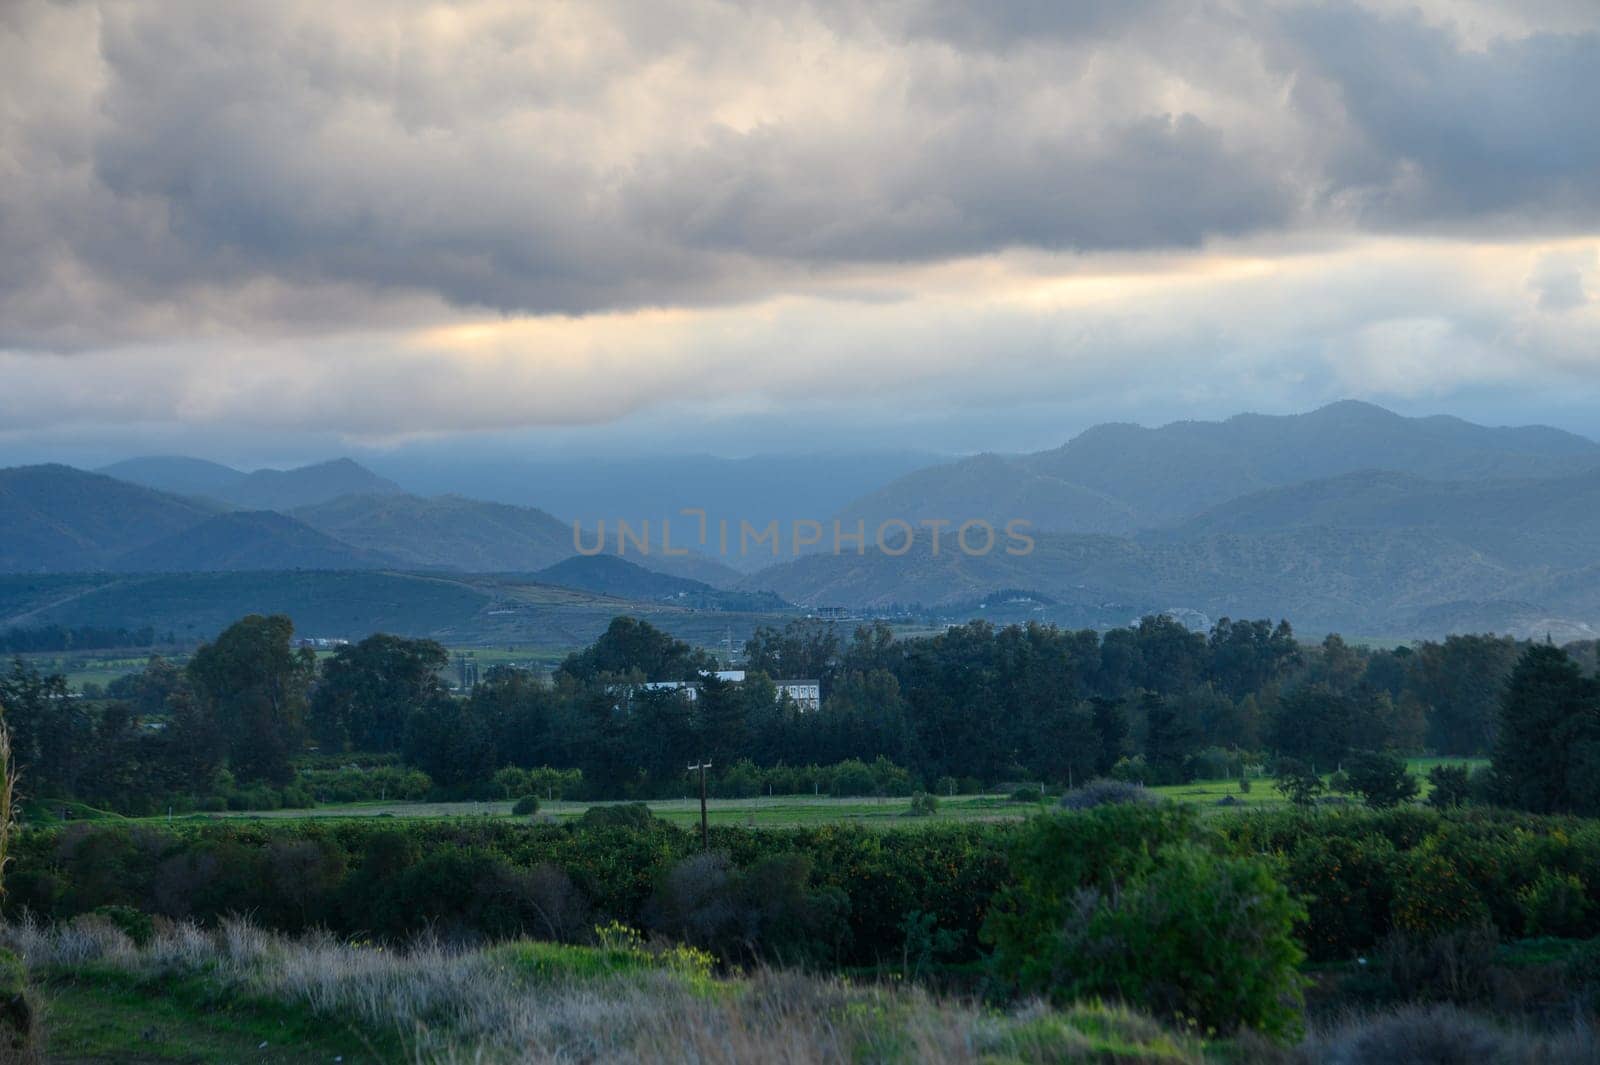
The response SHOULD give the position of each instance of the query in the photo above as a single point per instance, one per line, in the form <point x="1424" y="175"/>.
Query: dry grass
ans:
<point x="537" y="1002"/>
<point x="1428" y="1035"/>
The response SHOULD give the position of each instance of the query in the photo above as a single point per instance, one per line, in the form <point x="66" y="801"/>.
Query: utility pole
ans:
<point x="705" y="831"/>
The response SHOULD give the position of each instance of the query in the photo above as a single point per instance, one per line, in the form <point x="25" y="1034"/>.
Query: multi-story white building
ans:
<point x="805" y="694"/>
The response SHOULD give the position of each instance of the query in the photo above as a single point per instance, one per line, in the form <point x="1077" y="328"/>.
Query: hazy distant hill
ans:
<point x="248" y="540"/>
<point x="1552" y="522"/>
<point x="444" y="531"/>
<point x="260" y="490"/>
<point x="477" y="537"/>
<point x="1121" y="478"/>
<point x="1356" y="581"/>
<point x="306" y="485"/>
<point x="650" y="486"/>
<point x="178" y="474"/>
<point x="56" y="518"/>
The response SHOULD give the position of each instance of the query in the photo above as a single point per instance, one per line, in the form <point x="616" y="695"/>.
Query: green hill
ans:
<point x="58" y="519"/>
<point x="444" y="531"/>
<point x="249" y="540"/>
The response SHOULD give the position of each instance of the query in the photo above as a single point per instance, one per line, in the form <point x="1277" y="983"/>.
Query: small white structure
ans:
<point x="806" y="694"/>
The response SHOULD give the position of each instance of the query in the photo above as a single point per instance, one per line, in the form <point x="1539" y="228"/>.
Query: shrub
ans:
<point x="1206" y="938"/>
<point x="853" y="778"/>
<point x="1120" y="903"/>
<point x="618" y="815"/>
<point x="1297" y="782"/>
<point x="1451" y="786"/>
<point x="1348" y="886"/>
<point x="1431" y="896"/>
<point x="1381" y="779"/>
<point x="129" y="920"/>
<point x="1555" y="904"/>
<point x="1214" y="763"/>
<point x="926" y="944"/>
<point x="1107" y="793"/>
<point x="923" y="805"/>
<point x="358" y="784"/>
<point x="1133" y="770"/>
<point x="1028" y="793"/>
<point x="526" y="806"/>
<point x="19" y="1012"/>
<point x="767" y="910"/>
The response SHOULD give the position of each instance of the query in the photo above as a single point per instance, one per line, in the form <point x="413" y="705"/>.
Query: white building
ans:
<point x="805" y="694"/>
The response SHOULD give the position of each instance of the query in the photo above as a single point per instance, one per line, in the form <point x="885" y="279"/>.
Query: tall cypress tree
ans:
<point x="1549" y="714"/>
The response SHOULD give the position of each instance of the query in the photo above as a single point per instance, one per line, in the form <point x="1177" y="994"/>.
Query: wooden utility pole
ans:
<point x="705" y="830"/>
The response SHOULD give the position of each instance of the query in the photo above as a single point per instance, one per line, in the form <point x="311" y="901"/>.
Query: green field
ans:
<point x="775" y="812"/>
<point x="787" y="810"/>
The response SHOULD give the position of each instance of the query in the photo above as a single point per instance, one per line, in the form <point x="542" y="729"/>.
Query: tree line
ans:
<point x="1155" y="702"/>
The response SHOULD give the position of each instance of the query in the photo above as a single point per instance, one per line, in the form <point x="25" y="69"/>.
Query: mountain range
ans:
<point x="258" y="490"/>
<point x="1121" y="479"/>
<point x="1347" y="518"/>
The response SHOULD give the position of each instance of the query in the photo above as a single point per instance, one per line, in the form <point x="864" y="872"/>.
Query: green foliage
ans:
<point x="526" y="806"/>
<point x="513" y="782"/>
<point x="1123" y="902"/>
<point x="1381" y="779"/>
<point x="369" y="689"/>
<point x="628" y="815"/>
<point x="1450" y="786"/>
<point x="1556" y="904"/>
<point x="1548" y="754"/>
<point x="1432" y="896"/>
<point x="129" y="920"/>
<point x="252" y="685"/>
<point x="632" y="646"/>
<point x="355" y="784"/>
<point x="1347" y="882"/>
<point x="482" y="878"/>
<point x="708" y="902"/>
<point x="926" y="944"/>
<point x="1297" y="782"/>
<point x="923" y="805"/>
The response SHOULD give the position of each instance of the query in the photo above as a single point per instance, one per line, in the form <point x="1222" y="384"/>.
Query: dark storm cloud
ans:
<point x="1452" y="134"/>
<point x="180" y="167"/>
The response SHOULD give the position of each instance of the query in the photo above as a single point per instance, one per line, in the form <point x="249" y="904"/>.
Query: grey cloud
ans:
<point x="1448" y="134"/>
<point x="270" y="168"/>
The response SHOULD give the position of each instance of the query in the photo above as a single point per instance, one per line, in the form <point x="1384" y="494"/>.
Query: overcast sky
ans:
<point x="262" y="231"/>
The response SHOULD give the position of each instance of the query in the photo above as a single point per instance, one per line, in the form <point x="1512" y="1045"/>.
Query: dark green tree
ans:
<point x="1171" y="736"/>
<point x="1111" y="728"/>
<point x="368" y="691"/>
<point x="805" y="648"/>
<point x="52" y="734"/>
<point x="1458" y="682"/>
<point x="632" y="646"/>
<point x="449" y="741"/>
<point x="1297" y="782"/>
<point x="1450" y="786"/>
<point x="1381" y="779"/>
<point x="252" y="684"/>
<point x="1549" y="718"/>
<point x="1246" y="656"/>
